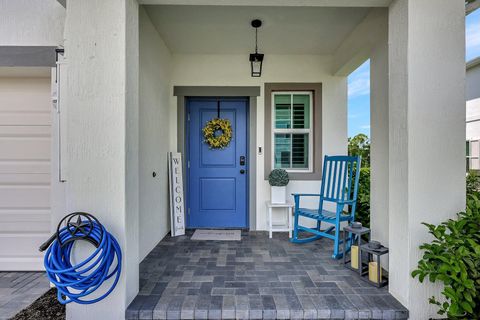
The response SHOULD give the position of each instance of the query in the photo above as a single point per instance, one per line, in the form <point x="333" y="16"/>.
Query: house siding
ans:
<point x="472" y="94"/>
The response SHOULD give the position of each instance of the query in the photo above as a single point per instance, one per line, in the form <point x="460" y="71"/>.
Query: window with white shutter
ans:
<point x="292" y="131"/>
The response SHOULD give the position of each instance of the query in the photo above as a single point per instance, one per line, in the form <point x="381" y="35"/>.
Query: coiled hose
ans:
<point x="75" y="282"/>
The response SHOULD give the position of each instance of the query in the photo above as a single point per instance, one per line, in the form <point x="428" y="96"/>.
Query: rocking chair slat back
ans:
<point x="340" y="178"/>
<point x="344" y="181"/>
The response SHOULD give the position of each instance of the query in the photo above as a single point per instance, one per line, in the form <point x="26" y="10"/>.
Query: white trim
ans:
<point x="309" y="131"/>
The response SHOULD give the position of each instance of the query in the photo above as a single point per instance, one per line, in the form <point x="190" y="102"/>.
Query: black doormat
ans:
<point x="46" y="307"/>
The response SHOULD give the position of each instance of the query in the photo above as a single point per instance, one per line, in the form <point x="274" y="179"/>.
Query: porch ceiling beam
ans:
<point x="357" y="46"/>
<point x="280" y="3"/>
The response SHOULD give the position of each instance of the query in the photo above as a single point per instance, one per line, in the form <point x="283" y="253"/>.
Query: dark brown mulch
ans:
<point x="46" y="307"/>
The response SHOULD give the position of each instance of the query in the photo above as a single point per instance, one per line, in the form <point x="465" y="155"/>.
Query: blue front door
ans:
<point x="217" y="178"/>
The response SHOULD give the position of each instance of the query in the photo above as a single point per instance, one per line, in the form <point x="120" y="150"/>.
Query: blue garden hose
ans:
<point x="76" y="282"/>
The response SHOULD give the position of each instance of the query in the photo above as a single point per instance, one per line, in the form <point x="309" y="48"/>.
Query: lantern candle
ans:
<point x="373" y="272"/>
<point x="354" y="257"/>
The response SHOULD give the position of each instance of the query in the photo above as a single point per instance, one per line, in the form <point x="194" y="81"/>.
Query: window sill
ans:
<point x="298" y="171"/>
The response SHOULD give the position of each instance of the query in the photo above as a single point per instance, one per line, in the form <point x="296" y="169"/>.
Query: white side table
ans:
<point x="288" y="206"/>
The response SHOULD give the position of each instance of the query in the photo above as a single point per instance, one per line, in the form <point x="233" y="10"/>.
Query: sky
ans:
<point x="359" y="80"/>
<point x="359" y="100"/>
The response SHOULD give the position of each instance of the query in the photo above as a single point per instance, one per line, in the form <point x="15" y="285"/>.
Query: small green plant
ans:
<point x="278" y="178"/>
<point x="453" y="258"/>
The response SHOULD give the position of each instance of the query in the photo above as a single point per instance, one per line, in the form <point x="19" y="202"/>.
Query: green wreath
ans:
<point x="217" y="133"/>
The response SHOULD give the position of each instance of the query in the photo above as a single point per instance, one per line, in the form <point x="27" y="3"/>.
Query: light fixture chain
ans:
<point x="256" y="37"/>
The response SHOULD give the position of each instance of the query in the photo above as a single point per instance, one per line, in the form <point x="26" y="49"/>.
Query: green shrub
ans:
<point x="473" y="184"/>
<point x="278" y="178"/>
<point x="359" y="145"/>
<point x="453" y="258"/>
<point x="362" y="212"/>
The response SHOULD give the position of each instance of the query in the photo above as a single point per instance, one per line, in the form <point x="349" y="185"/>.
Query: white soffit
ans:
<point x="227" y="30"/>
<point x="278" y="3"/>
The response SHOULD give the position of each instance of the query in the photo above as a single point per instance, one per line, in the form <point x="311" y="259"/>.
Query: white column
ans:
<point x="426" y="134"/>
<point x="379" y="136"/>
<point x="102" y="52"/>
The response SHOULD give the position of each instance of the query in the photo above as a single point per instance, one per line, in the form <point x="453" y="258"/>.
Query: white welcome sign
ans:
<point x="177" y="207"/>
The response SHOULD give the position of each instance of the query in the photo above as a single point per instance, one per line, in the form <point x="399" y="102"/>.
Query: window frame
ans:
<point x="310" y="131"/>
<point x="469" y="156"/>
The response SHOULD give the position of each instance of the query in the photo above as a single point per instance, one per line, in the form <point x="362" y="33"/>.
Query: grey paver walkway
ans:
<point x="20" y="289"/>
<point x="254" y="278"/>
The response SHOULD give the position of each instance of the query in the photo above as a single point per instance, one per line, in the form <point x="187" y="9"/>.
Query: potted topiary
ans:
<point x="278" y="180"/>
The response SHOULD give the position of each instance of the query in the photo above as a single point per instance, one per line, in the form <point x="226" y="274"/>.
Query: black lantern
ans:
<point x="256" y="58"/>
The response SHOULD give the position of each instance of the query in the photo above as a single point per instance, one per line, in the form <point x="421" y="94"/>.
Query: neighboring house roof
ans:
<point x="471" y="5"/>
<point x="473" y="63"/>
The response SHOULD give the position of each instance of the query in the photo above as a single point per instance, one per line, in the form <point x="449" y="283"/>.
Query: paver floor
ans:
<point x="19" y="289"/>
<point x="256" y="278"/>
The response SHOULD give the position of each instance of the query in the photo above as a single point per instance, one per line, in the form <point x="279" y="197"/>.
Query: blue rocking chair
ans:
<point x="339" y="186"/>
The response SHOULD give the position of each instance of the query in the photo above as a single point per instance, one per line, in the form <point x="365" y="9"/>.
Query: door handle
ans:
<point x="242" y="171"/>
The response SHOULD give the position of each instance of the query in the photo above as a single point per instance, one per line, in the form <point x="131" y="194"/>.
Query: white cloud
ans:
<point x="366" y="126"/>
<point x="359" y="84"/>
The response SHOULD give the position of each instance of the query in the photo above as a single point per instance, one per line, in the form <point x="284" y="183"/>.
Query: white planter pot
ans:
<point x="279" y="195"/>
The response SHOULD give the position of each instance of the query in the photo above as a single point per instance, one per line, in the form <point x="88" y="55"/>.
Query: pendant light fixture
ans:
<point x="256" y="59"/>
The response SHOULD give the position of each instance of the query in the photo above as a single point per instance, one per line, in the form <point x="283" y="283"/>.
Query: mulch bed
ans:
<point x="46" y="308"/>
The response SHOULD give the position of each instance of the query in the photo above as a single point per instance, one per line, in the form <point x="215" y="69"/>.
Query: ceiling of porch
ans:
<point x="227" y="30"/>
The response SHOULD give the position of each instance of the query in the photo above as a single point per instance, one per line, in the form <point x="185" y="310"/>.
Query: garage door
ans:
<point x="25" y="134"/>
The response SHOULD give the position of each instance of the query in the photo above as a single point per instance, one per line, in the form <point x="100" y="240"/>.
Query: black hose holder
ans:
<point x="80" y="226"/>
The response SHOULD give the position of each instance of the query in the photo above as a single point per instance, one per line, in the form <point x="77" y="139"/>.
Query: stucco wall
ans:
<point x="234" y="70"/>
<point x="102" y="122"/>
<point x="398" y="161"/>
<point x="155" y="93"/>
<point x="427" y="142"/>
<point x="379" y="138"/>
<point x="31" y="23"/>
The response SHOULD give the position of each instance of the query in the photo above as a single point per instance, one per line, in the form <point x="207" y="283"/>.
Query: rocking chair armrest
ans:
<point x="346" y="201"/>
<point x="305" y="195"/>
